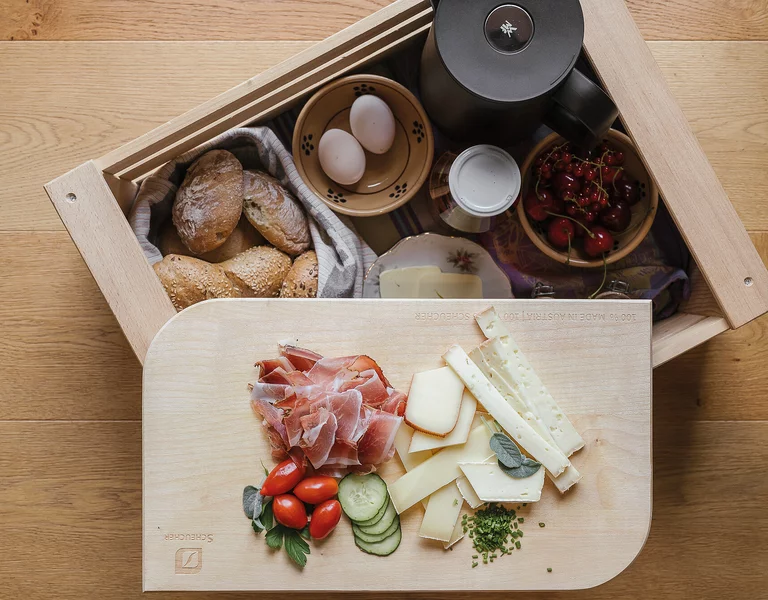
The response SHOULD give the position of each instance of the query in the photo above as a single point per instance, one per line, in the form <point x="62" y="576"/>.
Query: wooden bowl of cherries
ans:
<point x="587" y="209"/>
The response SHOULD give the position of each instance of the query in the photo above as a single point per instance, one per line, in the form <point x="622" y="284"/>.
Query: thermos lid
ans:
<point x="509" y="52"/>
<point x="484" y="180"/>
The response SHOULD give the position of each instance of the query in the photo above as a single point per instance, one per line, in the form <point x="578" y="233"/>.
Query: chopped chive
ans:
<point x="517" y="545"/>
<point x="516" y="526"/>
<point x="474" y="556"/>
<point x="549" y="569"/>
<point x="474" y="564"/>
<point x="542" y="525"/>
<point x="521" y="519"/>
<point x="520" y="533"/>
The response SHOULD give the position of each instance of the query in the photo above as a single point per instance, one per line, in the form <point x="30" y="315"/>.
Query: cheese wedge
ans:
<point x="443" y="509"/>
<point x="493" y="485"/>
<point x="512" y="364"/>
<point x="421" y="441"/>
<point x="403" y="283"/>
<point x="571" y="475"/>
<point x="548" y="455"/>
<point x="434" y="401"/>
<point x="450" y="285"/>
<point x="468" y="493"/>
<point x="440" y="469"/>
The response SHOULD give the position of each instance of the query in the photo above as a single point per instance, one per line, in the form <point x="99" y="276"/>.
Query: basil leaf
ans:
<point x="527" y="468"/>
<point x="251" y="500"/>
<point x="506" y="451"/>
<point x="274" y="538"/>
<point x="267" y="518"/>
<point x="296" y="548"/>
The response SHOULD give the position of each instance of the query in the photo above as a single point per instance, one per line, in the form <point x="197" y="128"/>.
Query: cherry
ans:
<point x="539" y="207"/>
<point x="571" y="210"/>
<point x="590" y="173"/>
<point x="539" y="161"/>
<point x="600" y="242"/>
<point x="578" y="170"/>
<point x="619" y="155"/>
<point x="610" y="159"/>
<point x="628" y="191"/>
<point x="569" y="167"/>
<point x="616" y="217"/>
<point x="603" y="202"/>
<point x="611" y="174"/>
<point x="591" y="216"/>
<point x="565" y="182"/>
<point x="567" y="157"/>
<point x="584" y="201"/>
<point x="560" y="232"/>
<point x="557" y="155"/>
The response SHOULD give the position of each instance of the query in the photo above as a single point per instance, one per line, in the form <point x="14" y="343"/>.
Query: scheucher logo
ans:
<point x="189" y="560"/>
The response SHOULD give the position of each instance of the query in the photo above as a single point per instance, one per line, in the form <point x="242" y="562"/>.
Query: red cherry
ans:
<point x="610" y="159"/>
<point x="603" y="148"/>
<point x="567" y="157"/>
<point x="603" y="202"/>
<point x="539" y="161"/>
<point x="561" y="232"/>
<point x="557" y="155"/>
<point x="617" y="216"/>
<point x="569" y="167"/>
<point x="584" y="201"/>
<point x="594" y="206"/>
<point x="619" y="156"/>
<point x="539" y="207"/>
<point x="627" y="191"/>
<point x="565" y="182"/>
<point x="599" y="242"/>
<point x="571" y="210"/>
<point x="611" y="174"/>
<point x="578" y="170"/>
<point x="590" y="173"/>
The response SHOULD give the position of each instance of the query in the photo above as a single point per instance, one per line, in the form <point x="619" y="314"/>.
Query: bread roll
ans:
<point x="209" y="202"/>
<point x="275" y="213"/>
<point x="258" y="272"/>
<point x="243" y="237"/>
<point x="301" y="281"/>
<point x="188" y="280"/>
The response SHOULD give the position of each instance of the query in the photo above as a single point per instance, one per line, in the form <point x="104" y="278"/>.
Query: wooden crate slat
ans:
<point x="695" y="198"/>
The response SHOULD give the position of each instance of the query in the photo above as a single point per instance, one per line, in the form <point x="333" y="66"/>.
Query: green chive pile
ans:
<point x="494" y="531"/>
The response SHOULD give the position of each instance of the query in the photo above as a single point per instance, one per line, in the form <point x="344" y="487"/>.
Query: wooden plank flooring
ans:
<point x="70" y="431"/>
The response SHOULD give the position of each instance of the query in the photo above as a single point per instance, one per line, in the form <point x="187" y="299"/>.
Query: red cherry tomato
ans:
<point x="314" y="490"/>
<point x="325" y="517"/>
<point x="283" y="478"/>
<point x="289" y="511"/>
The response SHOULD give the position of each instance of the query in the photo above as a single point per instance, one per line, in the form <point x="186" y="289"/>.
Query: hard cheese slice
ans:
<point x="439" y="470"/>
<point x="450" y="285"/>
<point x="548" y="455"/>
<point x="404" y="283"/>
<point x="529" y="412"/>
<point x="493" y="485"/>
<point x="509" y="360"/>
<point x="422" y="441"/>
<point x="468" y="493"/>
<point x="410" y="460"/>
<point x="434" y="401"/>
<point x="443" y="509"/>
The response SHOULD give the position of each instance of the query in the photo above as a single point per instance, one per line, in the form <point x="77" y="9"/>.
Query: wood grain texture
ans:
<point x="201" y="441"/>
<point x="315" y="19"/>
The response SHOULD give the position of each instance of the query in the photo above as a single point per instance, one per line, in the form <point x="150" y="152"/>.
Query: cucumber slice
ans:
<point x="371" y="538"/>
<point x="362" y="496"/>
<point x="383" y="524"/>
<point x="375" y="519"/>
<point x="383" y="548"/>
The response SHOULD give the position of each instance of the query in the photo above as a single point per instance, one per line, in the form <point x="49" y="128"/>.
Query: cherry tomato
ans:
<point x="289" y="511"/>
<point x="325" y="517"/>
<point x="314" y="490"/>
<point x="283" y="478"/>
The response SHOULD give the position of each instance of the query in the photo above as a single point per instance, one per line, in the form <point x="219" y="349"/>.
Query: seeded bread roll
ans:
<point x="258" y="272"/>
<point x="209" y="202"/>
<point x="275" y="213"/>
<point x="243" y="237"/>
<point x="301" y="281"/>
<point x="188" y="280"/>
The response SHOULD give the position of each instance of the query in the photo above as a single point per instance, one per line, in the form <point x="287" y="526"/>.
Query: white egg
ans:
<point x="341" y="157"/>
<point x="372" y="123"/>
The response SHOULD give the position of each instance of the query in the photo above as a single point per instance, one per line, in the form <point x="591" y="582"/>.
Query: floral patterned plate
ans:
<point x="451" y="254"/>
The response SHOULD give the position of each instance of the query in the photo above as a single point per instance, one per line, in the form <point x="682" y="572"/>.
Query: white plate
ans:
<point x="450" y="254"/>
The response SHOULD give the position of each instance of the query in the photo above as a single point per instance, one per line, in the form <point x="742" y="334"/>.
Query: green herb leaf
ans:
<point x="266" y="471"/>
<point x="257" y="525"/>
<point x="506" y="450"/>
<point x="274" y="538"/>
<point x="527" y="468"/>
<point x="267" y="518"/>
<point x="296" y="548"/>
<point x="305" y="533"/>
<point x="251" y="501"/>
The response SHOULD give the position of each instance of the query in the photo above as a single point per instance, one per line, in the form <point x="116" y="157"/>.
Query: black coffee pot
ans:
<point x="494" y="71"/>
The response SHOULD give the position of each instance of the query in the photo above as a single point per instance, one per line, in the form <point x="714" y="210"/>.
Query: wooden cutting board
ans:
<point x="202" y="444"/>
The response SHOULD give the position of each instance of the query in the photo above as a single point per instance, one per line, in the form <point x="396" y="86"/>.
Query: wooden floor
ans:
<point x="97" y="73"/>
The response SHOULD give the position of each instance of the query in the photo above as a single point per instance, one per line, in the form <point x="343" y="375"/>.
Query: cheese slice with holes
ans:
<point x="422" y="441"/>
<point x="404" y="283"/>
<point x="434" y="401"/>
<point x="443" y="509"/>
<point x="518" y="429"/>
<point x="507" y="358"/>
<point x="491" y="484"/>
<point x="440" y="469"/>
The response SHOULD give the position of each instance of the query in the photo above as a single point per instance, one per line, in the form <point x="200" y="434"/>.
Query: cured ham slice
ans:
<point x="270" y="392"/>
<point x="346" y="407"/>
<point x="378" y="442"/>
<point x="343" y="454"/>
<point x="292" y="421"/>
<point x="331" y="373"/>
<point x="272" y="416"/>
<point x="319" y="436"/>
<point x="369" y="384"/>
<point x="364" y="363"/>
<point x="395" y="402"/>
<point x="269" y="365"/>
<point x="301" y="358"/>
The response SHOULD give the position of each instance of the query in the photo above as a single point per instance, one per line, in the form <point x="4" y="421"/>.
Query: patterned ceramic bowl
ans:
<point x="390" y="179"/>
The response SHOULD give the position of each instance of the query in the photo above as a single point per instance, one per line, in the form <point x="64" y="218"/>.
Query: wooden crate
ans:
<point x="730" y="282"/>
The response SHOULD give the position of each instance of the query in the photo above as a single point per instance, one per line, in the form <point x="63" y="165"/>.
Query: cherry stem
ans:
<point x="584" y="227"/>
<point x="602" y="283"/>
<point x="568" y="256"/>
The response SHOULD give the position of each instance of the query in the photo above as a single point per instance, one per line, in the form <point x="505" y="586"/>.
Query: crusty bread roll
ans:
<point x="209" y="201"/>
<point x="188" y="280"/>
<point x="258" y="272"/>
<point x="243" y="237"/>
<point x="275" y="213"/>
<point x="301" y="281"/>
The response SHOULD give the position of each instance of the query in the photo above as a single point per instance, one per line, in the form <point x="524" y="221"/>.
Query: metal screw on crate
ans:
<point x="748" y="281"/>
<point x="616" y="290"/>
<point x="71" y="198"/>
<point x="543" y="291"/>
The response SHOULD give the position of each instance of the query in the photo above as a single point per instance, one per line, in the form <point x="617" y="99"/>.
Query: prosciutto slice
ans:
<point x="301" y="358"/>
<point x="292" y="422"/>
<point x="343" y="454"/>
<point x="272" y="416"/>
<point x="395" y="402"/>
<point x="346" y="406"/>
<point x="270" y="392"/>
<point x="378" y="442"/>
<point x="319" y="436"/>
<point x="369" y="384"/>
<point x="270" y="364"/>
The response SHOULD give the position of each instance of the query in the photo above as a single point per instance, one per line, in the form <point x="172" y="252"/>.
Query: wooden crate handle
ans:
<point x="109" y="247"/>
<point x="668" y="147"/>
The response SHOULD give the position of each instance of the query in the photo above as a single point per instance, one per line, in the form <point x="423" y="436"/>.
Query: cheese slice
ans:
<point x="514" y="366"/>
<point x="548" y="455"/>
<point x="529" y="412"/>
<point x="468" y="492"/>
<point x="403" y="283"/>
<point x="410" y="460"/>
<point x="443" y="509"/>
<point x="458" y="534"/>
<point x="440" y="469"/>
<point x="493" y="485"/>
<point x="422" y="441"/>
<point x="434" y="401"/>
<point x="450" y="285"/>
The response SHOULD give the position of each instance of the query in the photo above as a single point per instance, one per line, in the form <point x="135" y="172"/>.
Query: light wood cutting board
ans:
<point x="202" y="444"/>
